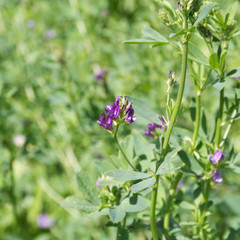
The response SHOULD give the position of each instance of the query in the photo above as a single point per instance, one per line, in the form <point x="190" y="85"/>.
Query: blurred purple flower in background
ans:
<point x="98" y="182"/>
<point x="217" y="177"/>
<point x="180" y="184"/>
<point x="44" y="221"/>
<point x="31" y="24"/>
<point x="51" y="33"/>
<point x="100" y="75"/>
<point x="216" y="157"/>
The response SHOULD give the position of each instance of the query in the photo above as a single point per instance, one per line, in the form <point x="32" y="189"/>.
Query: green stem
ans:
<point x="153" y="210"/>
<point x="171" y="197"/>
<point x="219" y="120"/>
<point x="12" y="191"/>
<point x="124" y="155"/>
<point x="180" y="91"/>
<point x="198" y="116"/>
<point x="206" y="192"/>
<point x="171" y="124"/>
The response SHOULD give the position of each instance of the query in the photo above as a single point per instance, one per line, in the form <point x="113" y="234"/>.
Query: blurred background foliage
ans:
<point x="50" y="54"/>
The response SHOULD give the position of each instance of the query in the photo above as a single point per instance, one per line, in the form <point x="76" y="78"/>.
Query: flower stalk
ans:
<point x="167" y="138"/>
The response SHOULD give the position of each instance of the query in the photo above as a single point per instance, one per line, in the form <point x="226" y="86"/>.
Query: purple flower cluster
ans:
<point x="152" y="128"/>
<point x="214" y="159"/>
<point x="120" y="111"/>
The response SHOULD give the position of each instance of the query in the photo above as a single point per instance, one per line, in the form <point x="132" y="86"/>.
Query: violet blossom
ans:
<point x="105" y="122"/>
<point x="100" y="75"/>
<point x="44" y="221"/>
<point x="153" y="126"/>
<point x="217" y="177"/>
<point x="120" y="111"/>
<point x="216" y="157"/>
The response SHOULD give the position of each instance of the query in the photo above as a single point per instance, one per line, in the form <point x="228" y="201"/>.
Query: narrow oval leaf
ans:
<point x="197" y="55"/>
<point x="143" y="109"/>
<point x="186" y="205"/>
<point x="213" y="61"/>
<point x="143" y="184"/>
<point x="139" y="41"/>
<point x="169" y="157"/>
<point x="125" y="175"/>
<point x="78" y="203"/>
<point x="181" y="32"/>
<point x="234" y="73"/>
<point x="160" y="171"/>
<point x="87" y="187"/>
<point x="204" y="12"/>
<point x="153" y="34"/>
<point x="135" y="203"/>
<point x="117" y="213"/>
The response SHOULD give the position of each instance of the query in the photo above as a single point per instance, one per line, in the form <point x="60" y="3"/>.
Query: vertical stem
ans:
<point x="219" y="120"/>
<point x="180" y="91"/>
<point x="198" y="116"/>
<point x="119" y="146"/>
<point x="153" y="210"/>
<point x="171" y="124"/>
<point x="12" y="191"/>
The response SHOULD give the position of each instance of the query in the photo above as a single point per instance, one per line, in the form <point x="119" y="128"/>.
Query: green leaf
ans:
<point x="158" y="44"/>
<point x="78" y="203"/>
<point x="117" y="213"/>
<point x="139" y="41"/>
<point x="232" y="10"/>
<point x="181" y="32"/>
<point x="165" y="171"/>
<point x="234" y="73"/>
<point x="187" y="205"/>
<point x="125" y="175"/>
<point x="219" y="85"/>
<point x="213" y="61"/>
<point x="135" y="203"/>
<point x="122" y="234"/>
<point x="87" y="187"/>
<point x="153" y="34"/>
<point x="168" y="158"/>
<point x="235" y="169"/>
<point x="110" y="182"/>
<point x="204" y="12"/>
<point x="198" y="55"/>
<point x="143" y="184"/>
<point x="143" y="109"/>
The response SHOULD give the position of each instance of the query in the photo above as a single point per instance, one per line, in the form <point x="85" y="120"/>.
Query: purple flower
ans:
<point x="98" y="182"/>
<point x="105" y="122"/>
<point x="44" y="221"/>
<point x="170" y="74"/>
<point x="216" y="157"/>
<point x="148" y="134"/>
<point x="100" y="75"/>
<point x="151" y="126"/>
<point x="217" y="177"/>
<point x="51" y="33"/>
<point x="113" y="110"/>
<point x="180" y="184"/>
<point x="31" y="24"/>
<point x="130" y="118"/>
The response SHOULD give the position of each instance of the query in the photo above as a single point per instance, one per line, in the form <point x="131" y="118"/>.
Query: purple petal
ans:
<point x="217" y="177"/>
<point x="216" y="157"/>
<point x="148" y="134"/>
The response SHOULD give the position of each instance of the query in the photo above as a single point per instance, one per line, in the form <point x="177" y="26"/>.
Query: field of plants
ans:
<point x="158" y="165"/>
